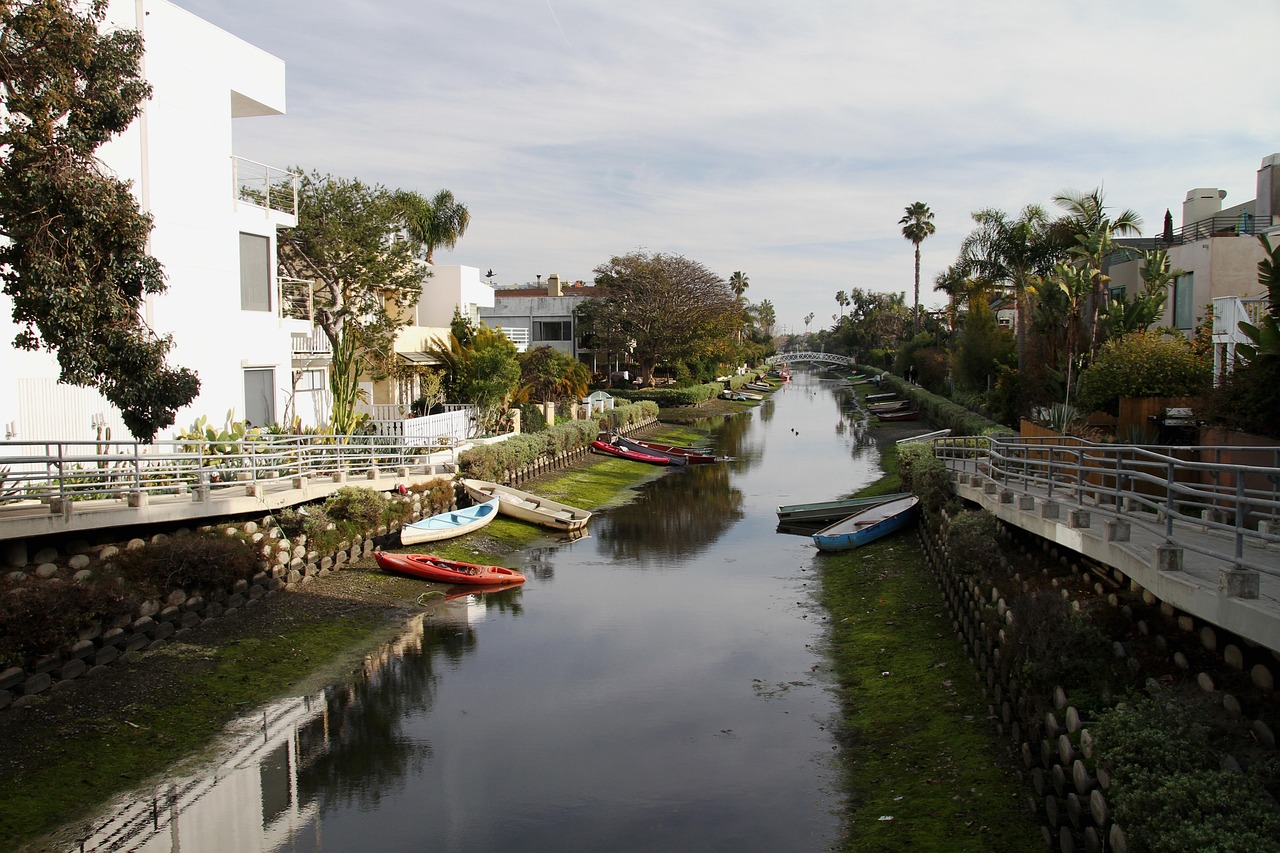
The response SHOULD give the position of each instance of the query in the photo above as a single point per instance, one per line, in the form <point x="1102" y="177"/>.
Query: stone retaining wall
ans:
<point x="286" y="565"/>
<point x="1067" y="788"/>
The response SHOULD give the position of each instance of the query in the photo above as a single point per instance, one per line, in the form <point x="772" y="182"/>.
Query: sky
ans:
<point x="781" y="138"/>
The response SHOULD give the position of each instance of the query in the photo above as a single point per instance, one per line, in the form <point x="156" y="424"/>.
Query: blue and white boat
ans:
<point x="449" y="524"/>
<point x="867" y="525"/>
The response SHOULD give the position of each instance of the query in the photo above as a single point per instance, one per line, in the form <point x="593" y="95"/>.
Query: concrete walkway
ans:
<point x="1203" y="578"/>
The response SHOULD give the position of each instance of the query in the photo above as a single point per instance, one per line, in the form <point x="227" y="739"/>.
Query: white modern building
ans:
<point x="541" y="316"/>
<point x="215" y="220"/>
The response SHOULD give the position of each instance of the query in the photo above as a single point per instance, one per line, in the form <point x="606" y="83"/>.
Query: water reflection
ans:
<point x="345" y="745"/>
<point x="675" y="517"/>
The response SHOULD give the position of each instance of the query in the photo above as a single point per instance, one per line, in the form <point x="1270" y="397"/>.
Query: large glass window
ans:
<point x="553" y="330"/>
<point x="259" y="396"/>
<point x="1184" y="301"/>
<point x="255" y="272"/>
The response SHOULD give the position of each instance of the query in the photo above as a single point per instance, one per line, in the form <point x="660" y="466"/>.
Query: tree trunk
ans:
<point x="916" y="307"/>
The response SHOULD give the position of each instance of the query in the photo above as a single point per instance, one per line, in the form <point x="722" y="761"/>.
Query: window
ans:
<point x="1184" y="301"/>
<point x="255" y="272"/>
<point x="259" y="396"/>
<point x="1116" y="294"/>
<point x="553" y="330"/>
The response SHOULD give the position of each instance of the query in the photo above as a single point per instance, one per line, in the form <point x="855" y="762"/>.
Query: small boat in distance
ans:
<point x="527" y="506"/>
<point x="609" y="449"/>
<point x="429" y="567"/>
<point x="867" y="526"/>
<point x="906" y="415"/>
<point x="891" y="406"/>
<point x="447" y="525"/>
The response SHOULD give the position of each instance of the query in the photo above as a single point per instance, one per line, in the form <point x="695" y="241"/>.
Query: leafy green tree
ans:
<point x="364" y="284"/>
<point x="1141" y="365"/>
<point x="436" y="222"/>
<point x="660" y="308"/>
<point x="488" y="376"/>
<point x="75" y="259"/>
<point x="917" y="224"/>
<point x="549" y="374"/>
<point x="983" y="348"/>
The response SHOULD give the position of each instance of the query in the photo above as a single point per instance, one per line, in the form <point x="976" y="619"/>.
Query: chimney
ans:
<point x="1267" y="205"/>
<point x="1202" y="203"/>
<point x="553" y="285"/>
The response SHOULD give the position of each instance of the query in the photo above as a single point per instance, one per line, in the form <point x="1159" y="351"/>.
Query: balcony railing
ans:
<point x="1239" y="225"/>
<point x="268" y="187"/>
<point x="296" y="301"/>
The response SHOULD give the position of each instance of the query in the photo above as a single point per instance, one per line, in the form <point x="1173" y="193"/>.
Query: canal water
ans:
<point x="657" y="685"/>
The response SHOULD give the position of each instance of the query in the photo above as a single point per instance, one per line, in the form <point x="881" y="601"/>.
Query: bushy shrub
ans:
<point x="362" y="509"/>
<point x="1249" y="398"/>
<point x="437" y="496"/>
<point x="38" y="617"/>
<point x="671" y="397"/>
<point x="925" y="476"/>
<point x="205" y="562"/>
<point x="1051" y="645"/>
<point x="1167" y="789"/>
<point x="972" y="541"/>
<point x="1141" y="365"/>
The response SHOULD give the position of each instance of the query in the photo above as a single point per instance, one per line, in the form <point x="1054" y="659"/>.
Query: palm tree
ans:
<point x="808" y="318"/>
<point x="917" y="224"/>
<point x="1017" y="251"/>
<point x="1094" y="231"/>
<point x="438" y="222"/>
<point x="738" y="281"/>
<point x="842" y="299"/>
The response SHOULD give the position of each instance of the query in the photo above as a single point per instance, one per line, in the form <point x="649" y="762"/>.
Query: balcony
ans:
<point x="268" y="188"/>
<point x="296" y="299"/>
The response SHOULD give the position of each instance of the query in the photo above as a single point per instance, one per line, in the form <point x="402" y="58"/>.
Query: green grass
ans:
<point x="918" y="745"/>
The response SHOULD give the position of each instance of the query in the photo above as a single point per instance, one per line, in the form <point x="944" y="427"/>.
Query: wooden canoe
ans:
<point x="527" y="506"/>
<point x="429" y="567"/>
<point x="447" y="525"/>
<point x="829" y="512"/>
<point x="867" y="526"/>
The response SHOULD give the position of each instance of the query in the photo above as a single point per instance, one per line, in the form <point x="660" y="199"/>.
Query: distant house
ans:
<point x="215" y="216"/>
<point x="542" y="316"/>
<point x="1218" y="250"/>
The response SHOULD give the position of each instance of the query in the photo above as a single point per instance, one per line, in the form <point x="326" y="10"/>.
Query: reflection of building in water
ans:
<point x="248" y="802"/>
<point x="264" y="796"/>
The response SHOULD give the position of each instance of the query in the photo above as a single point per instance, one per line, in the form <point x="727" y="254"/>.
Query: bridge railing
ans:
<point x="792" y="357"/>
<point x="1172" y="491"/>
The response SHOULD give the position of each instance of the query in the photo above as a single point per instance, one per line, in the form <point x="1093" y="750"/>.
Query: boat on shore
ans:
<point x="429" y="567"/>
<point x="527" y="506"/>
<point x="867" y="526"/>
<point x="829" y="512"/>
<point x="891" y="406"/>
<point x="447" y="525"/>
<point x="689" y="454"/>
<point x="609" y="449"/>
<point x="730" y="394"/>
<point x="905" y="415"/>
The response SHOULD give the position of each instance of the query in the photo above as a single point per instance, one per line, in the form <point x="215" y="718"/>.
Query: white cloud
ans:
<point x="781" y="139"/>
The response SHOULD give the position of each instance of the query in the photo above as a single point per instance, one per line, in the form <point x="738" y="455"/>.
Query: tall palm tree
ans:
<point x="437" y="222"/>
<point x="842" y="299"/>
<point x="917" y="224"/>
<point x="738" y="281"/>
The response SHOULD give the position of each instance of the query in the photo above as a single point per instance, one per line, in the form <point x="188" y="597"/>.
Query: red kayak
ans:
<point x="634" y="455"/>
<point x="429" y="567"/>
<point x="688" y="454"/>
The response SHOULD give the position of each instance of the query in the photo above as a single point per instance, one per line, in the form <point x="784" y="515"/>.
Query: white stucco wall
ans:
<point x="452" y="286"/>
<point x="178" y="156"/>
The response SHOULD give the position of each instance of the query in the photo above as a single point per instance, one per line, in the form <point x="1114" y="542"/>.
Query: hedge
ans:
<point x="942" y="412"/>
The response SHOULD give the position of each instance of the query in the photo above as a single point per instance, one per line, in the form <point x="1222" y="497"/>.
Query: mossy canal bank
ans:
<point x="70" y="753"/>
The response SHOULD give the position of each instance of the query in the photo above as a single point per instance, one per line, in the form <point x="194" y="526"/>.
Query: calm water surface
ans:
<point x="658" y="685"/>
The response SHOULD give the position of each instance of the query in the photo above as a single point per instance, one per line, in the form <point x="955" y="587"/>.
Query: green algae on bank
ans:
<point x="921" y="765"/>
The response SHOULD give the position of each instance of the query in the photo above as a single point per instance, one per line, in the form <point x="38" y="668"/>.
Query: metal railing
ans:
<point x="40" y="472"/>
<point x="268" y="187"/>
<point x="1178" y="493"/>
<point x="296" y="298"/>
<point x="1237" y="225"/>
